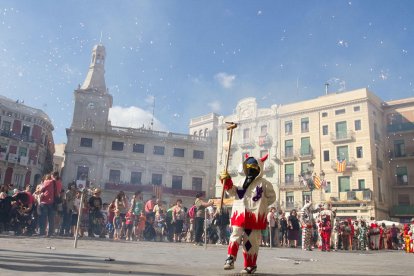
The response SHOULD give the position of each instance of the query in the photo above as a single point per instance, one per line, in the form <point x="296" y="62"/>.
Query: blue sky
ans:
<point x="196" y="57"/>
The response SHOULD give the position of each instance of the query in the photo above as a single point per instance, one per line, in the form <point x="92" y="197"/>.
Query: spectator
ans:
<point x="199" y="217"/>
<point x="293" y="229"/>
<point x="283" y="229"/>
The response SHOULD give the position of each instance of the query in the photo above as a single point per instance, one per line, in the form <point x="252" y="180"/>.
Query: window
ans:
<point x="325" y="130"/>
<point x="324" y="114"/>
<point x="342" y="153"/>
<point x="86" y="142"/>
<point x="156" y="179"/>
<point x="114" y="176"/>
<point x="404" y="200"/>
<point x="305" y="148"/>
<point x="380" y="196"/>
<point x="359" y="152"/>
<point x="399" y="148"/>
<point x="357" y="108"/>
<point x="289" y="173"/>
<point x="177" y="182"/>
<point x="290" y="200"/>
<point x="139" y="148"/>
<point x="306" y="196"/>
<point x="344" y="184"/>
<point x="198" y="154"/>
<point x="6" y="127"/>
<point x="83" y="173"/>
<point x="263" y="130"/>
<point x="136" y="178"/>
<point x="159" y="150"/>
<point x="326" y="156"/>
<point x="26" y="132"/>
<point x="118" y="146"/>
<point x="289" y="148"/>
<point x="341" y="130"/>
<point x="357" y="124"/>
<point x="178" y="152"/>
<point x="304" y="125"/>
<point x="340" y="111"/>
<point x="197" y="184"/>
<point x="402" y="176"/>
<point x="361" y="184"/>
<point x="288" y="127"/>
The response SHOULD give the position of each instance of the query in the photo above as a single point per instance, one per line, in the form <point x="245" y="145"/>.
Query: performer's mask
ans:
<point x="252" y="170"/>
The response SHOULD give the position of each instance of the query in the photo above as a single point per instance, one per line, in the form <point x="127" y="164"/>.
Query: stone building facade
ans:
<point x="399" y="138"/>
<point x="26" y="144"/>
<point x="167" y="165"/>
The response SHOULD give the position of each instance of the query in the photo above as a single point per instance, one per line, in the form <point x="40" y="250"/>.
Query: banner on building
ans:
<point x="340" y="165"/>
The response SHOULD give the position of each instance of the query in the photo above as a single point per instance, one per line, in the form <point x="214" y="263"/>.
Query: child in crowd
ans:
<point x="117" y="225"/>
<point x="129" y="222"/>
<point x="141" y="225"/>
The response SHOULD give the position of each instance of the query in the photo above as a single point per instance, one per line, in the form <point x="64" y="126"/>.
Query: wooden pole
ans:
<point x="230" y="127"/>
<point x="78" y="222"/>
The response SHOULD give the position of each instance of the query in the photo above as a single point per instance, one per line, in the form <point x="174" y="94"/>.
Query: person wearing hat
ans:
<point x="252" y="197"/>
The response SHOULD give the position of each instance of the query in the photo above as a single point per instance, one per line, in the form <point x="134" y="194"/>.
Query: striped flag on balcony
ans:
<point x="317" y="182"/>
<point x="340" y="165"/>
<point x="157" y="190"/>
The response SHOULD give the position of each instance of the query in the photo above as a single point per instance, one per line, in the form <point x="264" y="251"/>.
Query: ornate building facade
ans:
<point x="335" y="148"/>
<point x="168" y="165"/>
<point x="26" y="144"/>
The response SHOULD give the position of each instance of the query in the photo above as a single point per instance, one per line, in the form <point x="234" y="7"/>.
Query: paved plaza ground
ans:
<point x="57" y="256"/>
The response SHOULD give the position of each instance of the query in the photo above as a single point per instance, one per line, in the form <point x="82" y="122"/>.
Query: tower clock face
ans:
<point x="91" y="105"/>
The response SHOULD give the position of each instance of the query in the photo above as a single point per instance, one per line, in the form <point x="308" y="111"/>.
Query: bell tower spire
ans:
<point x="95" y="79"/>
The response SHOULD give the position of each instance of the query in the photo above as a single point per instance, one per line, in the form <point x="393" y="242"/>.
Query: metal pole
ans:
<point x="270" y="235"/>
<point x="78" y="222"/>
<point x="205" y="228"/>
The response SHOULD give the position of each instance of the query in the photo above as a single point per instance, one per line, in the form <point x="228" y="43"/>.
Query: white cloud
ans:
<point x="215" y="106"/>
<point x="225" y="79"/>
<point x="133" y="117"/>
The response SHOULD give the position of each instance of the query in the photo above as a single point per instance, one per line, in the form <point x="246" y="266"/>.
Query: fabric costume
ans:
<point x="252" y="196"/>
<point x="325" y="227"/>
<point x="363" y="237"/>
<point x="306" y="220"/>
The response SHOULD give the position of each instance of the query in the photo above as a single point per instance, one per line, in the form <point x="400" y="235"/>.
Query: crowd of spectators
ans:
<point x="49" y="210"/>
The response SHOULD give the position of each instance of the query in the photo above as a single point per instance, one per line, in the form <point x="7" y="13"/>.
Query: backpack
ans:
<point x="192" y="211"/>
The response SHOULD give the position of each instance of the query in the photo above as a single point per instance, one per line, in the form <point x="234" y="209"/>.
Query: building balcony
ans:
<point x="306" y="153"/>
<point x="288" y="156"/>
<point x="16" y="136"/>
<point x="401" y="156"/>
<point x="291" y="186"/>
<point x="247" y="143"/>
<point x="351" y="164"/>
<point x="128" y="187"/>
<point x="342" y="137"/>
<point x="402" y="210"/>
<point x="402" y="127"/>
<point x="265" y="140"/>
<point x="364" y="195"/>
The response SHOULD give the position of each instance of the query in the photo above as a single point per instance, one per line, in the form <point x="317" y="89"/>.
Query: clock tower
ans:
<point x="92" y="100"/>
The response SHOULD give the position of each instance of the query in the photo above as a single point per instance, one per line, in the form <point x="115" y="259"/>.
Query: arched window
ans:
<point x="206" y="132"/>
<point x="200" y="133"/>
